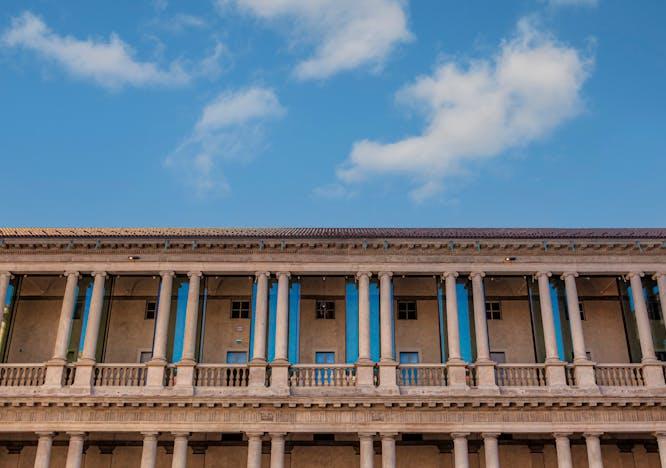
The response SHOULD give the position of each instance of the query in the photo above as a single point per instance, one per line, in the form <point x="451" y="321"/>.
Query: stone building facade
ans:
<point x="332" y="348"/>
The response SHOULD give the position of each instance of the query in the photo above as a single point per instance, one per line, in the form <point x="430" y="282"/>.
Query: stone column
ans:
<point x="594" y="457"/>
<point x="491" y="449"/>
<point x="254" y="449"/>
<point x="387" y="363"/>
<point x="5" y="276"/>
<point x="277" y="449"/>
<point x="55" y="366"/>
<point x="365" y="366"/>
<point x="155" y="377"/>
<point x="258" y="363"/>
<point x="583" y="368"/>
<point x="485" y="367"/>
<point x="652" y="369"/>
<point x="185" y="375"/>
<point x="460" y="452"/>
<point x="280" y="365"/>
<point x="661" y="443"/>
<point x="43" y="455"/>
<point x="388" y="449"/>
<point x="179" y="457"/>
<point x="660" y="278"/>
<point x="87" y="360"/>
<point x="563" y="448"/>
<point x="456" y="367"/>
<point x="149" y="452"/>
<point x="367" y="451"/>
<point x="555" y="376"/>
<point x="75" y="449"/>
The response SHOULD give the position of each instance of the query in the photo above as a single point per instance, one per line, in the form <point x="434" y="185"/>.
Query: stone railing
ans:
<point x="119" y="375"/>
<point x="570" y="375"/>
<point x="68" y="374"/>
<point x="422" y="375"/>
<point x="619" y="375"/>
<point x="170" y="371"/>
<point x="221" y="375"/>
<point x="322" y="375"/>
<point x="520" y="375"/>
<point x="22" y="375"/>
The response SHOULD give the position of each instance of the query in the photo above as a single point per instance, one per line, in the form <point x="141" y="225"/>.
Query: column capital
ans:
<point x="539" y="274"/>
<point x="382" y="274"/>
<point x="283" y="273"/>
<point x="366" y="435"/>
<point x="254" y="435"/>
<point x="475" y="274"/>
<point x="76" y="434"/>
<point x="150" y="433"/>
<point x="167" y="273"/>
<point x="7" y="274"/>
<point x="567" y="274"/>
<point x="191" y="274"/>
<point x="102" y="274"/>
<point x="367" y="274"/>
<point x="658" y="274"/>
<point x="45" y="434"/>
<point x="453" y="274"/>
<point x="459" y="435"/>
<point x="490" y="435"/>
<point x="632" y="274"/>
<point x="180" y="434"/>
<point x="592" y="435"/>
<point x="388" y="435"/>
<point x="69" y="273"/>
<point x="277" y="435"/>
<point x="257" y="274"/>
<point x="559" y="435"/>
<point x="660" y="434"/>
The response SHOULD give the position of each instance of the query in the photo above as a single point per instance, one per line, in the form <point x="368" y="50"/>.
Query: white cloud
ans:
<point x="181" y="22"/>
<point x="108" y="63"/>
<point x="231" y="127"/>
<point x="478" y="111"/>
<point x="588" y="3"/>
<point x="346" y="34"/>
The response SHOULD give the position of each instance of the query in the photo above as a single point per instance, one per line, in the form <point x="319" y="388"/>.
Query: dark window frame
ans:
<point x="240" y="309"/>
<point x="324" y="309"/>
<point x="150" y="312"/>
<point x="408" y="310"/>
<point x="493" y="310"/>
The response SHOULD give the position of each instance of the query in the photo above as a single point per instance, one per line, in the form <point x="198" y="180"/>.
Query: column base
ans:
<point x="653" y="373"/>
<point x="365" y="374"/>
<point x="456" y="371"/>
<point x="280" y="377"/>
<point x="584" y="375"/>
<point x="54" y="373"/>
<point x="485" y="375"/>
<point x="84" y="375"/>
<point x="185" y="377"/>
<point x="555" y="374"/>
<point x="155" y="374"/>
<point x="388" y="378"/>
<point x="257" y="377"/>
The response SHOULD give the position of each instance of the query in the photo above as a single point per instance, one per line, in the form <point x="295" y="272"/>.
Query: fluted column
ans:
<point x="149" y="452"/>
<point x="94" y="318"/>
<point x="563" y="447"/>
<point x="594" y="457"/>
<point x="367" y="452"/>
<point x="388" y="449"/>
<point x="460" y="451"/>
<point x="75" y="449"/>
<point x="254" y="449"/>
<point x="179" y="457"/>
<point x="260" y="318"/>
<point x="652" y="369"/>
<point x="282" y="319"/>
<point x="386" y="317"/>
<point x="277" y="449"/>
<point x="452" y="326"/>
<point x="583" y="368"/>
<point x="43" y="455"/>
<point x="491" y="449"/>
<point x="661" y="443"/>
<point x="363" y="316"/>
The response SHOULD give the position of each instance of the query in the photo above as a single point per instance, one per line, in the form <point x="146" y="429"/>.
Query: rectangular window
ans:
<point x="409" y="357"/>
<point x="145" y="356"/>
<point x="325" y="310"/>
<point x="240" y="309"/>
<point x="324" y="357"/>
<point x="151" y="310"/>
<point x="499" y="357"/>
<point x="407" y="310"/>
<point x="493" y="310"/>
<point x="236" y="357"/>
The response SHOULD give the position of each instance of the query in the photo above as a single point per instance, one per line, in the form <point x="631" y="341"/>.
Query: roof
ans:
<point x="336" y="233"/>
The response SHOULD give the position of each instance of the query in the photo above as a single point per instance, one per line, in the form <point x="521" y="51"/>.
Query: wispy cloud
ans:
<point x="478" y="111"/>
<point x="180" y="22"/>
<point x="345" y="34"/>
<point x="231" y="127"/>
<point x="110" y="64"/>
<point x="587" y="3"/>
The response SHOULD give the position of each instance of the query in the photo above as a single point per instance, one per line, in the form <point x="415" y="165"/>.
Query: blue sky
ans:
<point x="333" y="113"/>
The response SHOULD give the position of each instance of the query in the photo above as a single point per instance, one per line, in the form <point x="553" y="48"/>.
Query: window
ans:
<point x="78" y="309"/>
<point x="145" y="356"/>
<point x="151" y="310"/>
<point x="661" y="355"/>
<point x="498" y="357"/>
<point x="493" y="310"/>
<point x="236" y="357"/>
<point x="240" y="309"/>
<point x="325" y="310"/>
<point x="409" y="357"/>
<point x="324" y="357"/>
<point x="406" y="310"/>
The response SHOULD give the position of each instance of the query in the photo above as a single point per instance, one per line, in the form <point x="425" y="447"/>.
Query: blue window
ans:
<point x="324" y="357"/>
<point x="236" y="357"/>
<point x="409" y="375"/>
<point x="409" y="358"/>
<point x="324" y="376"/>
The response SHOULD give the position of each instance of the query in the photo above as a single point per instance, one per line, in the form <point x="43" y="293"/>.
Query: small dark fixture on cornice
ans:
<point x="133" y="257"/>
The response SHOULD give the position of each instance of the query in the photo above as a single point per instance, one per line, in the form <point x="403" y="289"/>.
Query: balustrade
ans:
<point x="619" y="375"/>
<point x="520" y="375"/>
<point x="22" y="375"/>
<point x="322" y="375"/>
<point x="422" y="375"/>
<point x="221" y="375"/>
<point x="119" y="375"/>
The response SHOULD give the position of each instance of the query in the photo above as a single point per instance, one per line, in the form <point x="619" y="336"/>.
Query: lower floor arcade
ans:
<point x="339" y="450"/>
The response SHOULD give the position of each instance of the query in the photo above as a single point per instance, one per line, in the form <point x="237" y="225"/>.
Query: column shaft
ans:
<point x="642" y="319"/>
<point x="149" y="452"/>
<point x="577" y="336"/>
<point x="661" y="285"/>
<point x="460" y="451"/>
<point x="367" y="452"/>
<point x="480" y="321"/>
<point x="75" y="450"/>
<point x="260" y="318"/>
<point x="254" y="449"/>
<point x="386" y="317"/>
<point x="94" y="318"/>
<point x="43" y="455"/>
<point x="363" y="316"/>
<point x="388" y="450"/>
<point x="563" y="448"/>
<point x="282" y="319"/>
<point x="661" y="443"/>
<point x="163" y="315"/>
<point x="4" y="285"/>
<point x="191" y="318"/>
<point x="277" y="450"/>
<point x="179" y="457"/>
<point x="547" y="321"/>
<point x="594" y="457"/>
<point x="452" y="327"/>
<point x="65" y="320"/>
<point x="491" y="449"/>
